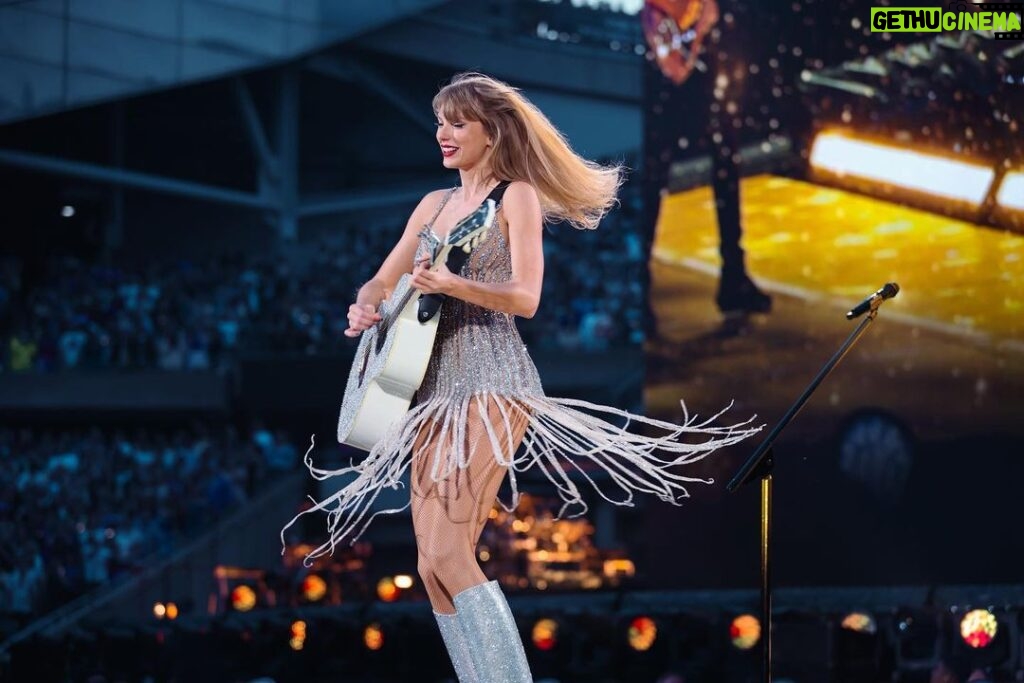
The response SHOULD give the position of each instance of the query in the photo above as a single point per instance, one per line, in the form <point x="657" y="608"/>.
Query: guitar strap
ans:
<point x="499" y="191"/>
<point x="430" y="304"/>
<point x="457" y="258"/>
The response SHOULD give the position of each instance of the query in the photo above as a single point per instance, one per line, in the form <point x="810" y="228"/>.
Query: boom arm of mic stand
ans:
<point x="752" y="466"/>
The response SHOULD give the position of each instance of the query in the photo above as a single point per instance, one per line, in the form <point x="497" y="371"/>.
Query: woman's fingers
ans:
<point x="361" y="317"/>
<point x="421" y="279"/>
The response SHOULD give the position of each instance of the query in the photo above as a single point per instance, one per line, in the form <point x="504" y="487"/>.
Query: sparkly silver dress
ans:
<point x="480" y="365"/>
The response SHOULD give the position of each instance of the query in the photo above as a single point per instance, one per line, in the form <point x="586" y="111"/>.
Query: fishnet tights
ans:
<point x="449" y="515"/>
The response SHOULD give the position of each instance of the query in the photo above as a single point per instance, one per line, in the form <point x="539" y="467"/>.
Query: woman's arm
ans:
<point x="520" y="295"/>
<point x="363" y="313"/>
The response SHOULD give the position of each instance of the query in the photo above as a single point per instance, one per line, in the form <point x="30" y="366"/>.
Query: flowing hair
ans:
<point x="526" y="146"/>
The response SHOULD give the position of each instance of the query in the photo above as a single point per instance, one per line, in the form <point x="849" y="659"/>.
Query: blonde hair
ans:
<point x="526" y="146"/>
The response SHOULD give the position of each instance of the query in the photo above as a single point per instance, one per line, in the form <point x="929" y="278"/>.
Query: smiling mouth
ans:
<point x="448" y="151"/>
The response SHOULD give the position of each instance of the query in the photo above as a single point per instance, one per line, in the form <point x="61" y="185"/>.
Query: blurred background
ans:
<point x="193" y="190"/>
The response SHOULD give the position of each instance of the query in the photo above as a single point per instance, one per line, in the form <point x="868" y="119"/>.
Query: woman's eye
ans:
<point x="458" y="125"/>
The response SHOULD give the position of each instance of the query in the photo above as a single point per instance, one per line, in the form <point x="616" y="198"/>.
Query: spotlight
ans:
<point x="243" y="598"/>
<point x="884" y="164"/>
<point x="1011" y="191"/>
<point x="857" y="649"/>
<point x="545" y="634"/>
<point x="987" y="640"/>
<point x="978" y="628"/>
<point x="403" y="581"/>
<point x="159" y="611"/>
<point x="373" y="637"/>
<point x="172" y="611"/>
<point x="858" y="622"/>
<point x="387" y="590"/>
<point x="619" y="568"/>
<point x="314" y="588"/>
<point x="642" y="633"/>
<point x="67" y="211"/>
<point x="298" y="635"/>
<point x="745" y="631"/>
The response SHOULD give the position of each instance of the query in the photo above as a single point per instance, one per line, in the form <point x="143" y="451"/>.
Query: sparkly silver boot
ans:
<point x="491" y="634"/>
<point x="457" y="644"/>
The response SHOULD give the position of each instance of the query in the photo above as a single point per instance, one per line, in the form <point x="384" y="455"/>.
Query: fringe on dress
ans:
<point x="561" y="435"/>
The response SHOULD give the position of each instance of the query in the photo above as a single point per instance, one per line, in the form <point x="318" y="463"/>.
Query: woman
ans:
<point x="481" y="397"/>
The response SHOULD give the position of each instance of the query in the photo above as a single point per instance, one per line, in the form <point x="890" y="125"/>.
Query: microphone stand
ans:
<point x="760" y="466"/>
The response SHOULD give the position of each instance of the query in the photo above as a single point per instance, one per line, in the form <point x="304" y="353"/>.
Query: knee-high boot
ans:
<point x="492" y="636"/>
<point x="456" y="641"/>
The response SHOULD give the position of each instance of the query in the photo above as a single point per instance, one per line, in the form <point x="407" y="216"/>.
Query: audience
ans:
<point x="82" y="508"/>
<point x="201" y="314"/>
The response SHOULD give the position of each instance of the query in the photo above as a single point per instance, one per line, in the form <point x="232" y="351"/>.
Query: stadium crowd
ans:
<point x="81" y="508"/>
<point x="201" y="314"/>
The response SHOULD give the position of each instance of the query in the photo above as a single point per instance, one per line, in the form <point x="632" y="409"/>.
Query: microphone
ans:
<point x="890" y="290"/>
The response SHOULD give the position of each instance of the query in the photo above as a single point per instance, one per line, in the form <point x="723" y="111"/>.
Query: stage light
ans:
<point x="978" y="628"/>
<point x="1011" y="191"/>
<point x="912" y="170"/>
<point x="387" y="590"/>
<point x="857" y="649"/>
<point x="159" y="611"/>
<point x="67" y="211"/>
<point x="859" y="622"/>
<point x="642" y="633"/>
<point x="619" y="567"/>
<point x="373" y="637"/>
<point x="172" y="611"/>
<point x="298" y="636"/>
<point x="313" y="587"/>
<point x="745" y="631"/>
<point x="403" y="581"/>
<point x="545" y="634"/>
<point x="243" y="598"/>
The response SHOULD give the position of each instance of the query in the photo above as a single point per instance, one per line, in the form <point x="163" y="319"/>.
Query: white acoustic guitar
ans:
<point x="393" y="354"/>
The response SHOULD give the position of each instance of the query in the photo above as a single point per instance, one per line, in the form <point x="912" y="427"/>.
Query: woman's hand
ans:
<point x="440" y="281"/>
<point x="361" y="317"/>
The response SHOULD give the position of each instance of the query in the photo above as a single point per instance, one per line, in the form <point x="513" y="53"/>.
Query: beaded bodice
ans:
<point x="476" y="348"/>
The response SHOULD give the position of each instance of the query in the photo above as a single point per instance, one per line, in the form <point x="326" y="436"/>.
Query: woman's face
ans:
<point x="464" y="144"/>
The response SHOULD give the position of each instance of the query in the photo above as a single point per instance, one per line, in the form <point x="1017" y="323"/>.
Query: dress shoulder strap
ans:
<point x="437" y="211"/>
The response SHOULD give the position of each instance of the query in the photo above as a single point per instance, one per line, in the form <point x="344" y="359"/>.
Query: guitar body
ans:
<point x="387" y="370"/>
<point x="675" y="30"/>
<point x="393" y="355"/>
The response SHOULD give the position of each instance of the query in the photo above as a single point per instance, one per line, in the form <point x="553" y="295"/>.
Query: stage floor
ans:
<point x="833" y="246"/>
